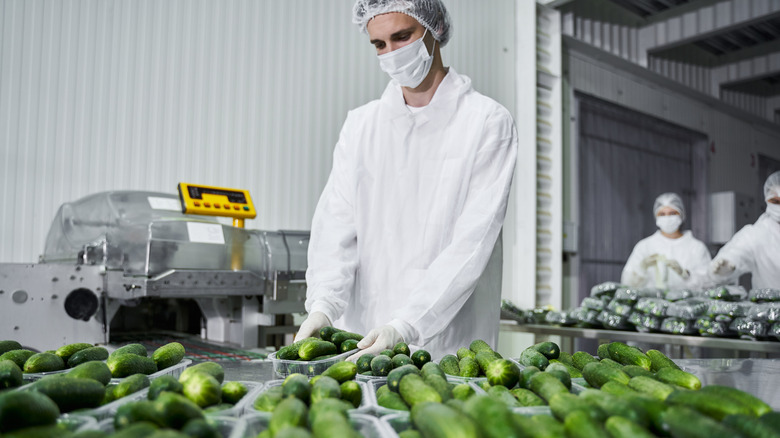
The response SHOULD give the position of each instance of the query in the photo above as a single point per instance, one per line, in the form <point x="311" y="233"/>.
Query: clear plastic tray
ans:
<point x="394" y="424"/>
<point x="174" y="371"/>
<point x="108" y="411"/>
<point x="253" y="389"/>
<point x="76" y="423"/>
<point x="530" y="411"/>
<point x="310" y="368"/>
<point x="228" y="427"/>
<point x="366" y="425"/>
<point x="369" y="379"/>
<point x="248" y="403"/>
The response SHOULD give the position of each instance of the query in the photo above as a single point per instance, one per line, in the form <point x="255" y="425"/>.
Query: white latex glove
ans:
<point x="675" y="266"/>
<point x="311" y="325"/>
<point x="721" y="267"/>
<point x="649" y="261"/>
<point x="376" y="341"/>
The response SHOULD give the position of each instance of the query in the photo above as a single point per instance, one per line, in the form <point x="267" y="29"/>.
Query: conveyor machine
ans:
<point x="117" y="248"/>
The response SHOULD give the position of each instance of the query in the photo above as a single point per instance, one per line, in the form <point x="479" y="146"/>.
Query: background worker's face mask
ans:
<point x="773" y="210"/>
<point x="669" y="224"/>
<point x="408" y="65"/>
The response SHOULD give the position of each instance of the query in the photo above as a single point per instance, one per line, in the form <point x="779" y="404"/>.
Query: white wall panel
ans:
<point x="102" y="95"/>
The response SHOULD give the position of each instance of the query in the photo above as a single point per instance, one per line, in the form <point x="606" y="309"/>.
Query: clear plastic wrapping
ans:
<point x="614" y="321"/>
<point x="620" y="308"/>
<point x="766" y="312"/>
<point x="774" y="330"/>
<point x="750" y="329"/>
<point x="680" y="294"/>
<point x="629" y="294"/>
<point x="585" y="317"/>
<point x="644" y="322"/>
<point x="678" y="326"/>
<point x="688" y="309"/>
<point x="764" y="295"/>
<point x="652" y="306"/>
<point x="730" y="308"/>
<point x="563" y="318"/>
<point x="593" y="303"/>
<point x="710" y="327"/>
<point x="726" y="293"/>
<point x="608" y="288"/>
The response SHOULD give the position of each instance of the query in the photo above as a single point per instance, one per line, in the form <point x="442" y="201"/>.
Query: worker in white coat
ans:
<point x="755" y="248"/>
<point x="410" y="217"/>
<point x="670" y="258"/>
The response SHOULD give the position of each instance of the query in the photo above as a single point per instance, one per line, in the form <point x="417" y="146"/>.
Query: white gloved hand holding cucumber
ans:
<point x="376" y="341"/>
<point x="312" y="325"/>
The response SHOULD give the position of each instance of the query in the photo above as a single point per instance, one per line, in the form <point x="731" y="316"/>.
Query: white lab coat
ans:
<point x="688" y="251"/>
<point x="411" y="215"/>
<point x="756" y="249"/>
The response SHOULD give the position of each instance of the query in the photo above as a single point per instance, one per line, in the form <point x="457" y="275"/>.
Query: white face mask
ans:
<point x="668" y="224"/>
<point x="408" y="65"/>
<point x="773" y="210"/>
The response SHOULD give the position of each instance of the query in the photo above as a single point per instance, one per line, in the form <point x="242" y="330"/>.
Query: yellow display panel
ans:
<point x="217" y="201"/>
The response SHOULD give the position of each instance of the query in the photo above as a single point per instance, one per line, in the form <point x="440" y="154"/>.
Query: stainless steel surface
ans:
<point x="651" y="338"/>
<point x="759" y="377"/>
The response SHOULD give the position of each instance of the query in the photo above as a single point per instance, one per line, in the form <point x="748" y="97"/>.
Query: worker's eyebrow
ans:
<point x="395" y="35"/>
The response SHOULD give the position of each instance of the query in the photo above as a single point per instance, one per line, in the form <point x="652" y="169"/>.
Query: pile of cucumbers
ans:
<point x="480" y="360"/>
<point x="408" y="386"/>
<point x="321" y="403"/>
<point x="330" y="342"/>
<point x="382" y="364"/>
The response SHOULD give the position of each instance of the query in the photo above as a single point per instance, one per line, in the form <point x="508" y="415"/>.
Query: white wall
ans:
<point x="100" y="95"/>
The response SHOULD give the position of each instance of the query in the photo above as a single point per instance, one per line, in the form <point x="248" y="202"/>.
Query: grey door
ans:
<point x="626" y="159"/>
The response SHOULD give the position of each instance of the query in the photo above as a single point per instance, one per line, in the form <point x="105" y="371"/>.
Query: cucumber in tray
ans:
<point x="312" y="348"/>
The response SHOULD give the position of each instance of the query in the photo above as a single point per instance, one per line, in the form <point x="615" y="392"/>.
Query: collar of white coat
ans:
<point x="687" y="234"/>
<point x="441" y="106"/>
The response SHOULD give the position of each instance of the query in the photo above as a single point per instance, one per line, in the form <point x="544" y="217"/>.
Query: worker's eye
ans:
<point x="379" y="45"/>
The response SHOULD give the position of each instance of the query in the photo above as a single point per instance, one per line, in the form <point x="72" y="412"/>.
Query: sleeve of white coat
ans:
<point x="739" y="252"/>
<point x="451" y="277"/>
<point x="633" y="275"/>
<point x="332" y="253"/>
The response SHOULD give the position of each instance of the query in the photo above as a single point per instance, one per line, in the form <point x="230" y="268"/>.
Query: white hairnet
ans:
<point x="669" y="200"/>
<point x="772" y="186"/>
<point x="430" y="13"/>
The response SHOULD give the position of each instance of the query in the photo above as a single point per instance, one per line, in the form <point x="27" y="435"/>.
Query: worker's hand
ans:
<point x="312" y="325"/>
<point x="721" y="267"/>
<point x="376" y="341"/>
<point x="650" y="261"/>
<point x="675" y="266"/>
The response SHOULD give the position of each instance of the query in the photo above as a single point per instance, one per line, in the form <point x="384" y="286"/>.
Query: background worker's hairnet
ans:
<point x="430" y="13"/>
<point x="669" y="200"/>
<point x="772" y="186"/>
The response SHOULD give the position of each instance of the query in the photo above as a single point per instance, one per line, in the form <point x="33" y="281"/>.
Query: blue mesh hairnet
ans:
<point x="772" y="186"/>
<point x="430" y="13"/>
<point x="669" y="200"/>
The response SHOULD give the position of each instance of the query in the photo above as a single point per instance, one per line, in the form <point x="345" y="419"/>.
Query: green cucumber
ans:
<point x="71" y="393"/>
<point x="649" y="386"/>
<point x="11" y="375"/>
<point x="348" y="345"/>
<point x="87" y="355"/>
<point x="545" y="385"/>
<point x="432" y="368"/>
<point x="465" y="352"/>
<point x="582" y="358"/>
<point x="212" y="368"/>
<point x="627" y="355"/>
<point x="420" y="358"/>
<point x="128" y="364"/>
<point x="23" y="409"/>
<point x="468" y="367"/>
<point x="504" y="396"/>
<point x="619" y="427"/>
<point x="414" y="390"/>
<point x="312" y="348"/>
<point x="9" y="345"/>
<point x="400" y="359"/>
<point x="749" y="427"/>
<point x="441" y="385"/>
<point x="168" y="355"/>
<point x="351" y="392"/>
<point x="298" y="386"/>
<point x="462" y="391"/>
<point x="134" y="348"/>
<point x="436" y="420"/>
<point x="532" y="358"/>
<point x="579" y="424"/>
<point x="707" y="404"/>
<point x="340" y="337"/>
<point x="614" y="405"/>
<point x="96" y="370"/>
<point x="550" y="350"/>
<point x="526" y="397"/>
<point x="597" y="374"/>
<point x="164" y="383"/>
<point x="327" y="332"/>
<point x="563" y="404"/>
<point x="66" y="351"/>
<point x="678" y="377"/>
<point x="449" y="364"/>
<point x="402" y="348"/>
<point x="392" y="400"/>
<point x="381" y="365"/>
<point x="19" y="357"/>
<point x="290" y="412"/>
<point x="233" y="392"/>
<point x="325" y="387"/>
<point x="659" y="360"/>
<point x="503" y="372"/>
<point x="364" y="363"/>
<point x="525" y="376"/>
<point x="394" y="376"/>
<point x="758" y="406"/>
<point x="635" y="370"/>
<point x="478" y="345"/>
<point x="500" y="424"/>
<point x="43" y="362"/>
<point x="341" y="371"/>
<point x="603" y="351"/>
<point x="685" y="422"/>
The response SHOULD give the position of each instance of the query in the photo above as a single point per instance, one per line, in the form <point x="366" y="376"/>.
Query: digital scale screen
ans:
<point x="234" y="197"/>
